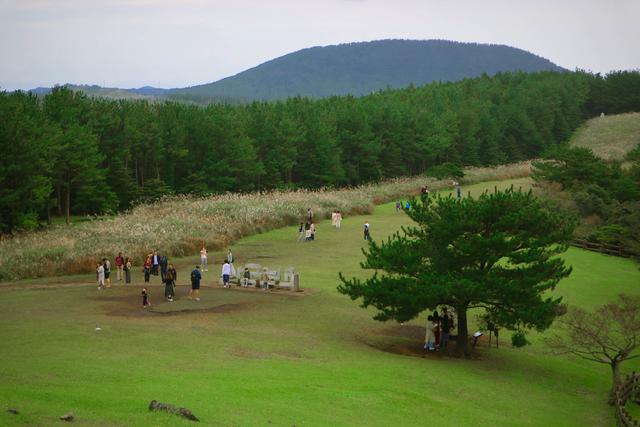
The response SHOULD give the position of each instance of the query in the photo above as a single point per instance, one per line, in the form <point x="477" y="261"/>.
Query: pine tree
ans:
<point x="497" y="252"/>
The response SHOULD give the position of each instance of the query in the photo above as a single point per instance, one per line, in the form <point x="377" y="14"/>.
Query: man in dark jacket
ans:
<point x="445" y="326"/>
<point x="195" y="283"/>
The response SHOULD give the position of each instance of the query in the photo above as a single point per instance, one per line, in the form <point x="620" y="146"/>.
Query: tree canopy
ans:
<point x="133" y="150"/>
<point x="497" y="252"/>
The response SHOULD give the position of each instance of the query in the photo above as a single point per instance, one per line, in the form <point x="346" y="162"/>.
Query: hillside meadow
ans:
<point x="609" y="137"/>
<point x="253" y="358"/>
<point x="178" y="226"/>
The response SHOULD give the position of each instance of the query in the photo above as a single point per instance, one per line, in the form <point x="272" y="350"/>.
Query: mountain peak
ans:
<point x="359" y="68"/>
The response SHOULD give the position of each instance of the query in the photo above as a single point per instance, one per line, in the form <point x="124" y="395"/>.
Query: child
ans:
<point x="145" y="298"/>
<point x="367" y="236"/>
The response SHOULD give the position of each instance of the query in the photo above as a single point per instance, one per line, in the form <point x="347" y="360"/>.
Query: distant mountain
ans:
<point x="354" y="68"/>
<point x="146" y="92"/>
<point x="362" y="68"/>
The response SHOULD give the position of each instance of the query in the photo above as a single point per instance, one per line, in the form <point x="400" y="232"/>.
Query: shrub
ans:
<point x="519" y="339"/>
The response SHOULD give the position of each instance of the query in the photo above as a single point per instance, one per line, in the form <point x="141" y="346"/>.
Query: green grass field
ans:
<point x="253" y="358"/>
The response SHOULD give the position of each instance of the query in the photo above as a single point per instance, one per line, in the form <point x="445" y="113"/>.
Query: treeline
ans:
<point x="68" y="154"/>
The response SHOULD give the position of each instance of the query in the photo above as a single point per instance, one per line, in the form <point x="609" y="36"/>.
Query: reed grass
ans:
<point x="180" y="225"/>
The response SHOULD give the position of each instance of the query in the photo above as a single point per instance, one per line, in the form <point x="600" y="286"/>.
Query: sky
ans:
<point x="178" y="43"/>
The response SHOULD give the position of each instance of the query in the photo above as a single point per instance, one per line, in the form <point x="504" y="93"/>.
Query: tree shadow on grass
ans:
<point x="408" y="340"/>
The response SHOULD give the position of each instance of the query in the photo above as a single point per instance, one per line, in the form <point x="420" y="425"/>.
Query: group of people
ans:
<point x="306" y="232"/>
<point x="438" y="328"/>
<point x="307" y="228"/>
<point x="157" y="265"/>
<point x="103" y="271"/>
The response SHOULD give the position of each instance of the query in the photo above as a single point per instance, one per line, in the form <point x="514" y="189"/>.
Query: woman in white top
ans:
<point x="100" y="273"/>
<point x="203" y="258"/>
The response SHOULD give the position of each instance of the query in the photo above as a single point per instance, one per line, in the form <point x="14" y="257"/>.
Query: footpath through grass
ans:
<point x="253" y="358"/>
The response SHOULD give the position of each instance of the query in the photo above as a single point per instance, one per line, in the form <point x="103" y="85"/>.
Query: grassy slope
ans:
<point x="282" y="359"/>
<point x="610" y="137"/>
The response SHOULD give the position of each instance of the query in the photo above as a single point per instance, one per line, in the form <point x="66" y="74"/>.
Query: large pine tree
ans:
<point x="497" y="252"/>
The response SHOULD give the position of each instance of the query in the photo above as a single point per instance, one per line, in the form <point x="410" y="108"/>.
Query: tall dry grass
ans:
<point x="178" y="226"/>
<point x="610" y="137"/>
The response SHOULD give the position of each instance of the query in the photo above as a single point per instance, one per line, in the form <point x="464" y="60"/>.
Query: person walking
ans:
<point x="195" y="283"/>
<point x="458" y="189"/>
<point x="107" y="272"/>
<point x="127" y="270"/>
<point x="430" y="337"/>
<point x="309" y="215"/>
<point x="120" y="265"/>
<point x="367" y="235"/>
<point x="226" y="273"/>
<point x="203" y="258"/>
<point x="301" y="232"/>
<point x="170" y="283"/>
<point x="338" y="219"/>
<point x="312" y="229"/>
<point x="333" y="218"/>
<point x="100" y="275"/>
<point x="398" y="206"/>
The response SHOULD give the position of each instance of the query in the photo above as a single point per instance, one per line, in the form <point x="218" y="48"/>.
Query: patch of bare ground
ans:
<point x="131" y="306"/>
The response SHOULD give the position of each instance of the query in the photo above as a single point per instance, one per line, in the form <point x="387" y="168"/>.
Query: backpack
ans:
<point x="194" y="276"/>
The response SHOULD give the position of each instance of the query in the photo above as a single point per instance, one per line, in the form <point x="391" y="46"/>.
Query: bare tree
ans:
<point x="610" y="335"/>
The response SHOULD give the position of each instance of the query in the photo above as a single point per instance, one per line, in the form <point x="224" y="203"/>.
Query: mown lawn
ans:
<point x="252" y="358"/>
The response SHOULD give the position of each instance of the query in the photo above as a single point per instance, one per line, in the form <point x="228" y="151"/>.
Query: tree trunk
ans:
<point x="135" y="160"/>
<point x="462" y="341"/>
<point x="67" y="205"/>
<point x="615" y="373"/>
<point x="58" y="199"/>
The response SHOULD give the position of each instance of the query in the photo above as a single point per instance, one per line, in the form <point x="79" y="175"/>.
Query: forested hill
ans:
<point x="362" y="68"/>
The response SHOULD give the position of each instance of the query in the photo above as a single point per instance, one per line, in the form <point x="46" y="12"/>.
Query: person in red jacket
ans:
<point x="120" y="265"/>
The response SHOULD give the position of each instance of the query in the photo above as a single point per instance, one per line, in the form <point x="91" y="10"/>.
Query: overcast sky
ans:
<point x="177" y="43"/>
